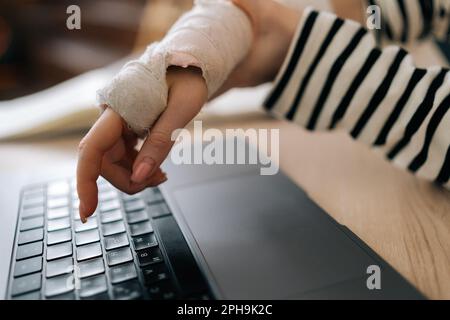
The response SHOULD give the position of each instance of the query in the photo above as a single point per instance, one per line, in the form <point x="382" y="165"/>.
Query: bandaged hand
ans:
<point x="166" y="88"/>
<point x="214" y="37"/>
<point x="109" y="148"/>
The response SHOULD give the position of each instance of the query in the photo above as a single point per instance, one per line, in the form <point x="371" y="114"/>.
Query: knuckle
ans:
<point x="82" y="145"/>
<point x="159" y="139"/>
<point x="130" y="190"/>
<point x="124" y="189"/>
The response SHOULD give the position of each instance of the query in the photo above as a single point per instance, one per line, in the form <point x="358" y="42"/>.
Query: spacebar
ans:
<point x="183" y="263"/>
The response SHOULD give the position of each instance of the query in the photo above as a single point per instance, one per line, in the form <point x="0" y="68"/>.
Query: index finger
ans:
<point x="102" y="136"/>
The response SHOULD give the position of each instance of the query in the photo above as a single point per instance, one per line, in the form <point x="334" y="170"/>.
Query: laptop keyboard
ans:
<point x="117" y="254"/>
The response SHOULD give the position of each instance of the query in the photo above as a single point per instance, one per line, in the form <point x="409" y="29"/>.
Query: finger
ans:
<point x="181" y="109"/>
<point x="102" y="136"/>
<point x="119" y="177"/>
<point x="156" y="178"/>
<point x="117" y="152"/>
<point x="126" y="160"/>
<point x="129" y="158"/>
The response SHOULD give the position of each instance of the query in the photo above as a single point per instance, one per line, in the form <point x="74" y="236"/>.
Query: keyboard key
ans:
<point x="59" y="285"/>
<point x="89" y="225"/>
<point x="58" y="213"/>
<point x="111" y="216"/>
<point x="134" y="205"/>
<point x="59" y="251"/>
<point x="158" y="210"/>
<point x="53" y="203"/>
<point x="59" y="267"/>
<point x="169" y="295"/>
<point x="93" y="286"/>
<point x="29" y="250"/>
<point x="122" y="273"/>
<point x="59" y="188"/>
<point x="27" y="266"/>
<point x="145" y="241"/>
<point x="58" y="224"/>
<point x="76" y="205"/>
<point x="101" y="296"/>
<point x="102" y="181"/>
<point x="31" y="236"/>
<point x="205" y="296"/>
<point x="155" y="273"/>
<point x="140" y="228"/>
<point x="113" y="228"/>
<point x="33" y="212"/>
<point x="35" y="201"/>
<point x="153" y="195"/>
<point x="116" y="241"/>
<point x="104" y="186"/>
<point x="76" y="216"/>
<point x="32" y="223"/>
<point x="129" y="290"/>
<point x="36" y="295"/>
<point x="163" y="290"/>
<point x="149" y="256"/>
<point x="86" y="237"/>
<point x="26" y="284"/>
<point x="137" y="216"/>
<point x="33" y="192"/>
<point x="131" y="197"/>
<point x="109" y="205"/>
<point x="107" y="195"/>
<point x="91" y="268"/>
<point x="64" y="296"/>
<point x="119" y="256"/>
<point x="89" y="251"/>
<point x="59" y="236"/>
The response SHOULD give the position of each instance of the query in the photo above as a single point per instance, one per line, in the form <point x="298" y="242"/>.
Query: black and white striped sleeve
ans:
<point x="336" y="77"/>
<point x="410" y="20"/>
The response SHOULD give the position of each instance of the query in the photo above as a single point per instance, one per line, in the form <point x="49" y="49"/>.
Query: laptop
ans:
<point x="209" y="232"/>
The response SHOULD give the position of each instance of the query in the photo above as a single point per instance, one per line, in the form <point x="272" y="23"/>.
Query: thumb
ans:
<point x="186" y="98"/>
<point x="155" y="149"/>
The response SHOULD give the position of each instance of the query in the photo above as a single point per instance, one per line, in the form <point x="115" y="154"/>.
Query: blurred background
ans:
<point x="38" y="51"/>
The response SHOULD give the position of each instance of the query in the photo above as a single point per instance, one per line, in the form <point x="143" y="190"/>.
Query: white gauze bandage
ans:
<point x="214" y="36"/>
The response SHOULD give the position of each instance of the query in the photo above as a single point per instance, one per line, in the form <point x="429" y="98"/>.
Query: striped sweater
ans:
<point x="336" y="77"/>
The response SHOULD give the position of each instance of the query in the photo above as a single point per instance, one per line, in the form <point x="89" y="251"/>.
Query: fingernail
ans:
<point x="142" y="172"/>
<point x="82" y="213"/>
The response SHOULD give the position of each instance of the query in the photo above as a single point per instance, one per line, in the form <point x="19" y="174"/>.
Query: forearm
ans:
<point x="337" y="77"/>
<point x="274" y="26"/>
<point x="401" y="20"/>
<point x="349" y="9"/>
<point x="213" y="37"/>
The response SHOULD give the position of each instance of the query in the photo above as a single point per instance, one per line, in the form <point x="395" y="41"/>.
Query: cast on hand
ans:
<point x="214" y="36"/>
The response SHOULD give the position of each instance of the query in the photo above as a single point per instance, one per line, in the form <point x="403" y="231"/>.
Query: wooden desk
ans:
<point x="405" y="220"/>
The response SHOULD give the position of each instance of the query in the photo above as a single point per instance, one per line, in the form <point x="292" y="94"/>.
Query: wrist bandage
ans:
<point x="214" y="36"/>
